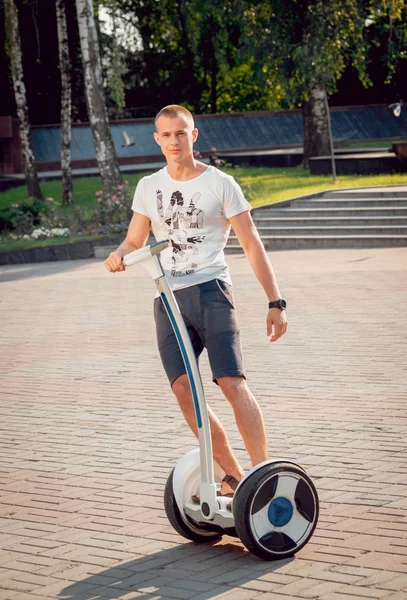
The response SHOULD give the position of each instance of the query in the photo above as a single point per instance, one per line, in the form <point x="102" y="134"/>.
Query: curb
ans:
<point x="86" y="248"/>
<point x="69" y="251"/>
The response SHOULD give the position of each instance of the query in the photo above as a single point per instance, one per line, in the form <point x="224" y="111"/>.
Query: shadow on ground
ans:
<point x="186" y="571"/>
<point x="30" y="270"/>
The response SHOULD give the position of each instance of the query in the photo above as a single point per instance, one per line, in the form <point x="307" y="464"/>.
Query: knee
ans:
<point x="232" y="387"/>
<point x="182" y="391"/>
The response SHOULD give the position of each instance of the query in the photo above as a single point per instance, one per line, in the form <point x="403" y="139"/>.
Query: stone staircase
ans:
<point x="364" y="218"/>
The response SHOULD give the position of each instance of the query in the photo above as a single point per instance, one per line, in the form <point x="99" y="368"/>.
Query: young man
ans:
<point x="193" y="205"/>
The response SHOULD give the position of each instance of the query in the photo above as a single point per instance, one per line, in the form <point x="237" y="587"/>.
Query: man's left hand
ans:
<point x="276" y="324"/>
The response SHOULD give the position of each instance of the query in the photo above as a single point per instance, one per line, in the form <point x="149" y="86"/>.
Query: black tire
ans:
<point x="256" y="493"/>
<point x="187" y="528"/>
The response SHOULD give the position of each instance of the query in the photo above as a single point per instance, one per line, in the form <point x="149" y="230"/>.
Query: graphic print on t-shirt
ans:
<point x="177" y="220"/>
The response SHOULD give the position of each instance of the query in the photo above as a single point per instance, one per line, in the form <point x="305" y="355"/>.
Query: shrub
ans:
<point x="113" y="215"/>
<point x="105" y="217"/>
<point x="52" y="216"/>
<point x="21" y="217"/>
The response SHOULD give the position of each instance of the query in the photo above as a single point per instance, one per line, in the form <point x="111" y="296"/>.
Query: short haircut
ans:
<point x="174" y="111"/>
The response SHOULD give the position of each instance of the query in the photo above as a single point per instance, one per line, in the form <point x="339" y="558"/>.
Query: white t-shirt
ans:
<point x="193" y="215"/>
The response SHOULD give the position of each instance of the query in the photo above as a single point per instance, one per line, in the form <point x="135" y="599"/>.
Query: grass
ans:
<point x="262" y="186"/>
<point x="267" y="186"/>
<point x="84" y="189"/>
<point x="383" y="144"/>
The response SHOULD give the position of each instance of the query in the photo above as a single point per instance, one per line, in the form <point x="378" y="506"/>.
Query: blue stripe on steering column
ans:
<point x="186" y="360"/>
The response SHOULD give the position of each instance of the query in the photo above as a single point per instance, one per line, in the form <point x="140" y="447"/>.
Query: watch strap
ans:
<point x="280" y="303"/>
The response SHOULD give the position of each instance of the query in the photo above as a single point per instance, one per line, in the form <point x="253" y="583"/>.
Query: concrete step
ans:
<point x="319" y="213"/>
<point x="363" y="218"/>
<point x="399" y="192"/>
<point x="332" y="230"/>
<point x="321" y="222"/>
<point x="309" y="242"/>
<point x="351" y="202"/>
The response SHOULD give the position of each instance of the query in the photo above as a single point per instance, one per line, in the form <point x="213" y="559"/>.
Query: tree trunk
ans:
<point x="189" y="72"/>
<point x="316" y="125"/>
<point x="65" y="68"/>
<point x="14" y="52"/>
<point x="214" y="80"/>
<point x="102" y="137"/>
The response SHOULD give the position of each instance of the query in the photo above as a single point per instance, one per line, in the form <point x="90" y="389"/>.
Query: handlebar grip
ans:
<point x="144" y="253"/>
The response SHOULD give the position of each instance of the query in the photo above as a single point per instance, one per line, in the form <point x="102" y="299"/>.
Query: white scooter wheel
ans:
<point x="183" y="524"/>
<point x="276" y="510"/>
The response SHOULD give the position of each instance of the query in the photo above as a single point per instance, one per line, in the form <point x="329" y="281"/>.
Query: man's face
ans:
<point x="176" y="137"/>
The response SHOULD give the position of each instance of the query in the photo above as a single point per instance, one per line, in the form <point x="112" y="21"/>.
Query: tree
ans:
<point x="308" y="45"/>
<point x="65" y="68"/>
<point x="192" y="52"/>
<point x="386" y="36"/>
<point x="218" y="30"/>
<point x="102" y="137"/>
<point x="165" y="33"/>
<point x="187" y="51"/>
<point x="386" y="27"/>
<point x="15" y="56"/>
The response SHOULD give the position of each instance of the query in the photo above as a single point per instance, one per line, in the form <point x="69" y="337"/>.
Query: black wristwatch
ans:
<point x="280" y="303"/>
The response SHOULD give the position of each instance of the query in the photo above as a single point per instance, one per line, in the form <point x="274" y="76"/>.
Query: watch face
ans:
<point x="283" y="304"/>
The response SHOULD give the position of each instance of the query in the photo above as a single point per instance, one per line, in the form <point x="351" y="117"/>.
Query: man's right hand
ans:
<point x="114" y="262"/>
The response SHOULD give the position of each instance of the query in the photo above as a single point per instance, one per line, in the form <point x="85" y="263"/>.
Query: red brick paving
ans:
<point x="89" y="432"/>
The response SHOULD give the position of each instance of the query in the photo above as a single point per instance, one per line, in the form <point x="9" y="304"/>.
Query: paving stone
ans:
<point x="320" y="589"/>
<point x="20" y="596"/>
<point x="234" y="594"/>
<point x="397" y="582"/>
<point x="89" y="432"/>
<point x="275" y="596"/>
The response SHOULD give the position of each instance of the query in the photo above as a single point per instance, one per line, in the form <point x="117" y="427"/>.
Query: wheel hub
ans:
<point x="280" y="511"/>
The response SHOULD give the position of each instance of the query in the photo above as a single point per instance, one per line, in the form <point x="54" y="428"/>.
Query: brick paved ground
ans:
<point x="89" y="432"/>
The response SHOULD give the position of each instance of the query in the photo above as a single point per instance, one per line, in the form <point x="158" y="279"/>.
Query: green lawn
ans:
<point x="262" y="186"/>
<point x="273" y="185"/>
<point x="383" y="144"/>
<point x="267" y="185"/>
<point x="84" y="189"/>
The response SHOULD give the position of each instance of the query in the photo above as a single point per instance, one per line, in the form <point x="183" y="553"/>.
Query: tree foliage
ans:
<point x="189" y="53"/>
<point x="386" y="28"/>
<point x="308" y="43"/>
<point x="228" y="56"/>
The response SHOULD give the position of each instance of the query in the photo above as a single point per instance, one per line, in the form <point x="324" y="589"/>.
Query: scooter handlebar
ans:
<point x="144" y="253"/>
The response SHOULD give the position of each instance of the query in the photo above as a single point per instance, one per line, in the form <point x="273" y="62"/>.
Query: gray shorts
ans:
<point x="210" y="317"/>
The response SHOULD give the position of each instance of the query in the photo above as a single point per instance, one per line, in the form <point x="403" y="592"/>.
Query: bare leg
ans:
<point x="222" y="452"/>
<point x="248" y="416"/>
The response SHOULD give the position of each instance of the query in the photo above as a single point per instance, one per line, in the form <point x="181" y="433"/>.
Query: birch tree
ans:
<point x="66" y="104"/>
<point x="13" y="43"/>
<point x="102" y="137"/>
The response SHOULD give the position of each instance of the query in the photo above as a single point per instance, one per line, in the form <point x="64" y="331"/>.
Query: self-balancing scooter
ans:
<point x="275" y="507"/>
